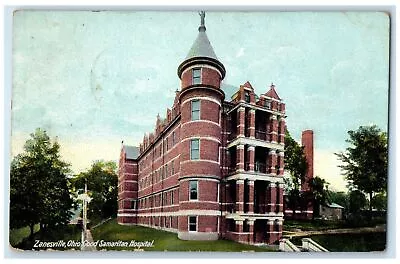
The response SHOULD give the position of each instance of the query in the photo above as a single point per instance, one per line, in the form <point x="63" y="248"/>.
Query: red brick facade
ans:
<point x="213" y="168"/>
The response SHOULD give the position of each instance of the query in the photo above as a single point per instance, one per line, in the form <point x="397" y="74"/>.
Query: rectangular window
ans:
<point x="166" y="171"/>
<point x="194" y="149"/>
<point x="172" y="168"/>
<point x="172" y="197"/>
<point x="193" y="190"/>
<point x="166" y="143"/>
<point x="193" y="223"/>
<point x="173" y="138"/>
<point x="196" y="76"/>
<point x="195" y="109"/>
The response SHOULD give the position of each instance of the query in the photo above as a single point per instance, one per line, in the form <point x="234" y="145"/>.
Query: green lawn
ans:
<point x="163" y="241"/>
<point x="311" y="225"/>
<point x="17" y="235"/>
<point x="364" y="242"/>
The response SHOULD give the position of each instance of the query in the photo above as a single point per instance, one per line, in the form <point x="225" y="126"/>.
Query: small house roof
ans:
<point x="335" y="205"/>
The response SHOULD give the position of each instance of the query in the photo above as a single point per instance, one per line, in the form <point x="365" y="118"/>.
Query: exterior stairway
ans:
<point x="308" y="245"/>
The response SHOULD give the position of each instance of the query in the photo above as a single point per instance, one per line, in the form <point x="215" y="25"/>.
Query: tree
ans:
<point x="102" y="181"/>
<point x="357" y="201"/>
<point x="319" y="192"/>
<point x="365" y="161"/>
<point x="38" y="185"/>
<point x="379" y="201"/>
<point x="339" y="198"/>
<point x="296" y="164"/>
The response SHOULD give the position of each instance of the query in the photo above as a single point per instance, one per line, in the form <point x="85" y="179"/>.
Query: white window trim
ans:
<point x="218" y="187"/>
<point x="201" y="75"/>
<point x="197" y="190"/>
<point x="191" y="148"/>
<point x="219" y="154"/>
<point x="191" y="109"/>
<point x="206" y="98"/>
<point x="197" y="223"/>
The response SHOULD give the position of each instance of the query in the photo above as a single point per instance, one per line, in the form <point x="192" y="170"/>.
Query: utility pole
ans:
<point x="85" y="200"/>
<point x="85" y="210"/>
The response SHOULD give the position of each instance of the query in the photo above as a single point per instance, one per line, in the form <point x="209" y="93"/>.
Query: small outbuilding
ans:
<point x="331" y="211"/>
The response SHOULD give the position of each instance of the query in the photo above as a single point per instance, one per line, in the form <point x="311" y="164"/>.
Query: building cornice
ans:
<point x="201" y="60"/>
<point x="254" y="176"/>
<point x="162" y="133"/>
<point x="202" y="86"/>
<point x="256" y="107"/>
<point x="255" y="142"/>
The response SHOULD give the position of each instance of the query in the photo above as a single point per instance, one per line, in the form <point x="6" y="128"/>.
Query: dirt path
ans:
<point x="335" y="231"/>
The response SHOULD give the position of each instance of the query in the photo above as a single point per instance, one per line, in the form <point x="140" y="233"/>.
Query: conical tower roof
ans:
<point x="201" y="47"/>
<point x="201" y="51"/>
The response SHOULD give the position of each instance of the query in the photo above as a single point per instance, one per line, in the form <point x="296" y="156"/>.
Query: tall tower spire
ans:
<point x="201" y="51"/>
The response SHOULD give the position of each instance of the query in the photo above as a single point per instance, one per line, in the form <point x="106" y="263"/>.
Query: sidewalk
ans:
<point x="89" y="240"/>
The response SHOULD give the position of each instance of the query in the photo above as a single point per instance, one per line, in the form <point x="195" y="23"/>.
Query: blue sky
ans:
<point x="95" y="78"/>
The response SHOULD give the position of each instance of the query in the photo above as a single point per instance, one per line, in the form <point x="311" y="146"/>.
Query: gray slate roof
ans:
<point x="132" y="152"/>
<point x="229" y="90"/>
<point x="201" y="47"/>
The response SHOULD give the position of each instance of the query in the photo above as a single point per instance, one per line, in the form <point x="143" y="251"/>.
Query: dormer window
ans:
<point x="267" y="104"/>
<point x="247" y="97"/>
<point x="196" y="76"/>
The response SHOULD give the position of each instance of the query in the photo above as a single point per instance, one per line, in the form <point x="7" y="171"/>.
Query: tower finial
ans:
<point x="202" y="15"/>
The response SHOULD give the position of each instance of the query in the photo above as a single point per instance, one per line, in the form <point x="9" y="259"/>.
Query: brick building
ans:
<point x="213" y="167"/>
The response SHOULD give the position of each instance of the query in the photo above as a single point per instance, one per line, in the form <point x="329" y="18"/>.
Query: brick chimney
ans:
<point x="307" y="140"/>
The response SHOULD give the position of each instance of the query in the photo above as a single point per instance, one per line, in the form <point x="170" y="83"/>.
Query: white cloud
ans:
<point x="240" y="53"/>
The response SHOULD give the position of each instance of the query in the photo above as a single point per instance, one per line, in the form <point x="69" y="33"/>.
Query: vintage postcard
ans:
<point x="199" y="131"/>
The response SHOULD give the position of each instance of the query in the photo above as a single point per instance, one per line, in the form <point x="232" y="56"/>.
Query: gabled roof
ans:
<point x="201" y="47"/>
<point x="132" y="152"/>
<point x="272" y="93"/>
<point x="248" y="85"/>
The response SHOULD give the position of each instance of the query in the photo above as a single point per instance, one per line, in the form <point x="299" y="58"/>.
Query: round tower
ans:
<point x="201" y="100"/>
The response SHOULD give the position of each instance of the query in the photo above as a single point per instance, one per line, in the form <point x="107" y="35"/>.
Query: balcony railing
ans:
<point x="259" y="134"/>
<point x="258" y="167"/>
<point x="262" y="135"/>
